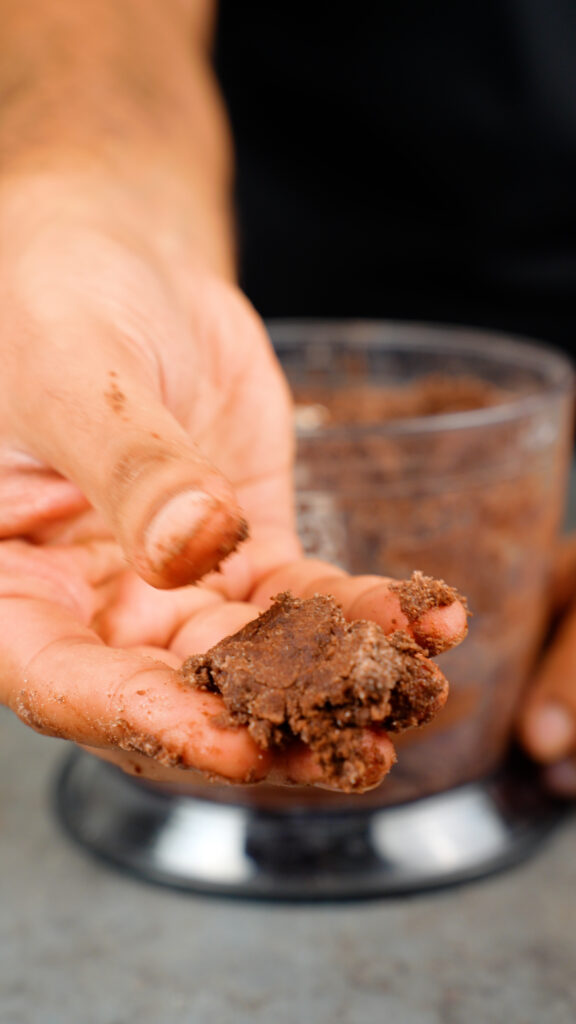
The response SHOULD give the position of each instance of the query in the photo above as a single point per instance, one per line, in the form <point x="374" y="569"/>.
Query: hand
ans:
<point x="129" y="374"/>
<point x="548" y="720"/>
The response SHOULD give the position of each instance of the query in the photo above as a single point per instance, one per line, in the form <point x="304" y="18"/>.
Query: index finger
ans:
<point x="62" y="680"/>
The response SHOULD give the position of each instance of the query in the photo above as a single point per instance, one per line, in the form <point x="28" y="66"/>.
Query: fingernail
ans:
<point x="561" y="778"/>
<point x="551" y="731"/>
<point x="174" y="523"/>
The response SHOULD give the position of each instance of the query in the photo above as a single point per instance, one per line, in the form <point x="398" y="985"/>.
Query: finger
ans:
<point x="368" y="597"/>
<point x="147" y="768"/>
<point x="266" y="549"/>
<point x="297" y="765"/>
<point x="65" y="575"/>
<point x="299" y="576"/>
<point x="131" y="612"/>
<point x="62" y="681"/>
<point x="548" y="718"/>
<point x="31" y="494"/>
<point x="158" y="653"/>
<point x="210" y="625"/>
<point x="96" y="561"/>
<point x="563" y="582"/>
<point x="294" y="766"/>
<point x="47" y="574"/>
<point x="106" y="429"/>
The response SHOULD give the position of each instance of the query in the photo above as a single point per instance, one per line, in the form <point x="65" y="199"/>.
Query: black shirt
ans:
<point x="406" y="159"/>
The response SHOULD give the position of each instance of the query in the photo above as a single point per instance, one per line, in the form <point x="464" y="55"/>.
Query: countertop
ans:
<point x="81" y="944"/>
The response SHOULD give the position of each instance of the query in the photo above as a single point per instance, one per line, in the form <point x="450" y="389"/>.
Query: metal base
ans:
<point x="227" y="849"/>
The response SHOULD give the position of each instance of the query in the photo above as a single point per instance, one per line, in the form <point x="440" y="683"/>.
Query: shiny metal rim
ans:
<point x="228" y="849"/>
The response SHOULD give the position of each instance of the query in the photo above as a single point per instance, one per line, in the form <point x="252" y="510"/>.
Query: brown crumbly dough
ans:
<point x="432" y="395"/>
<point x="421" y="593"/>
<point x="300" y="670"/>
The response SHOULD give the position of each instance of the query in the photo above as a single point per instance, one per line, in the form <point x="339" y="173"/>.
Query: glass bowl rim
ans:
<point x="449" y="338"/>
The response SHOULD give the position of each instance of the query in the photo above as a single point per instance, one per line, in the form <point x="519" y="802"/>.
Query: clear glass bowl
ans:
<point x="472" y="495"/>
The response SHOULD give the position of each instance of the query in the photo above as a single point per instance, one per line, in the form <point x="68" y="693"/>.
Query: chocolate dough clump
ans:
<point x="301" y="670"/>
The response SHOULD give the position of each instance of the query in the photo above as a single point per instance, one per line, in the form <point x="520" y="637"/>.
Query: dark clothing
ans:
<point x="407" y="159"/>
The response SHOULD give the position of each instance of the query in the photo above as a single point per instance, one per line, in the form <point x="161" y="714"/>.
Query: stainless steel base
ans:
<point x="228" y="849"/>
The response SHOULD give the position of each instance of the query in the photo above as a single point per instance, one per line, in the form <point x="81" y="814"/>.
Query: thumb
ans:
<point x="548" y="720"/>
<point x="105" y="428"/>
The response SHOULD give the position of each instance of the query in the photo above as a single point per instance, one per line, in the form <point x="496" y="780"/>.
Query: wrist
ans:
<point x="136" y="201"/>
<point x="113" y="99"/>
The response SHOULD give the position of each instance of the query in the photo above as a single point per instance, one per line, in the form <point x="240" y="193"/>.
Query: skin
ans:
<point x="143" y="416"/>
<point x="547" y="719"/>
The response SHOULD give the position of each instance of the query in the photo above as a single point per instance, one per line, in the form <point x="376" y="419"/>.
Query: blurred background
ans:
<point x="406" y="161"/>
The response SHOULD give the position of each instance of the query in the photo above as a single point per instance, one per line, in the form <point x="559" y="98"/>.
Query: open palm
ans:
<point x="143" y="419"/>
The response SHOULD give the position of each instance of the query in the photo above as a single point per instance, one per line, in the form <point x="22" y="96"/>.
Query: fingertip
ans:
<point x="380" y="757"/>
<point x="189" y="536"/>
<point x="436" y="630"/>
<point x="298" y="765"/>
<point x="440" y="629"/>
<point x="548" y="731"/>
<point x="174" y="513"/>
<point x="239" y="760"/>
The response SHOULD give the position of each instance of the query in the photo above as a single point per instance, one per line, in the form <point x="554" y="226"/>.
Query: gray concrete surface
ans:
<point x="80" y="944"/>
